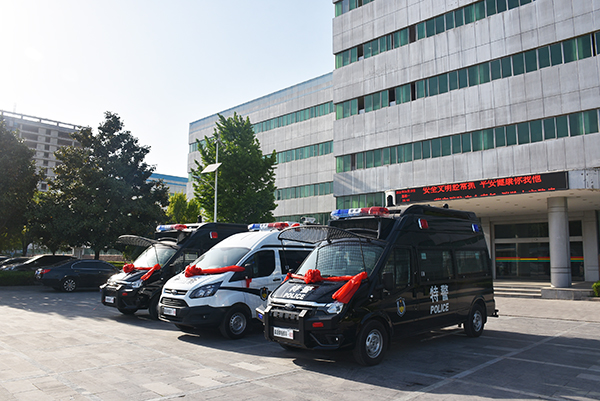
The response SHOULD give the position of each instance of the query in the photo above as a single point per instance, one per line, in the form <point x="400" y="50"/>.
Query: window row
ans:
<point x="305" y="152"/>
<point x="296" y="117"/>
<point x="304" y="191"/>
<point x="356" y="201"/>
<point x="343" y="6"/>
<point x="558" y="53"/>
<point x="575" y="124"/>
<point x="433" y="26"/>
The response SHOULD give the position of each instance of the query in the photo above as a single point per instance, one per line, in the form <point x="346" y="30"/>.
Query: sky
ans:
<point x="159" y="65"/>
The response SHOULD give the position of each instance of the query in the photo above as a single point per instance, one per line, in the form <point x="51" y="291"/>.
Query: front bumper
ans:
<point x="303" y="328"/>
<point x="119" y="296"/>
<point x="176" y="310"/>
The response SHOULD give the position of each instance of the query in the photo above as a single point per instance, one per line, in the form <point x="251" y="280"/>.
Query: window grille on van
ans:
<point x="316" y="234"/>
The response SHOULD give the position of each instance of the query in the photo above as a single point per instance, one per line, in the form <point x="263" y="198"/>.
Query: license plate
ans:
<point x="109" y="300"/>
<point x="283" y="333"/>
<point x="170" y="311"/>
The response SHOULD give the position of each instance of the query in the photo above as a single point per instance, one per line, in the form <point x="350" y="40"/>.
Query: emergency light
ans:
<point x="169" y="227"/>
<point x="365" y="211"/>
<point x="280" y="225"/>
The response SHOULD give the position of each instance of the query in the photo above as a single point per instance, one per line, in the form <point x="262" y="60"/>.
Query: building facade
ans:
<point x="44" y="136"/>
<point x="174" y="183"/>
<point x="490" y="106"/>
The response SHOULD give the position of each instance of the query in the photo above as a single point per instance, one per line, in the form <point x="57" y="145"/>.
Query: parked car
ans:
<point x="75" y="274"/>
<point x="39" y="261"/>
<point x="12" y="261"/>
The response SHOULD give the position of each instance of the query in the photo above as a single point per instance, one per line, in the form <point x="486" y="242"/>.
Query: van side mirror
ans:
<point x="388" y="281"/>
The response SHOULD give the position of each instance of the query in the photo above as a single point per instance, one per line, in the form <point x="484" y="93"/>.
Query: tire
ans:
<point x="475" y="321"/>
<point x="153" y="308"/>
<point x="371" y="344"/>
<point x="127" y="311"/>
<point x="235" y="324"/>
<point x="68" y="284"/>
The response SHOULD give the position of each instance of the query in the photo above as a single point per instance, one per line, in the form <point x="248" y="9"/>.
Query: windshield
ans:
<point x="220" y="257"/>
<point x="154" y="254"/>
<point x="342" y="259"/>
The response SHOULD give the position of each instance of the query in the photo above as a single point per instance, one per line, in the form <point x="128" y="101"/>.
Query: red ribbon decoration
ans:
<point x="129" y="267"/>
<point x="192" y="270"/>
<point x="344" y="294"/>
<point x="150" y="271"/>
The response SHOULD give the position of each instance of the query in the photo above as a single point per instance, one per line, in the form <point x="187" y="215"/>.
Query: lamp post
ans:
<point x="210" y="169"/>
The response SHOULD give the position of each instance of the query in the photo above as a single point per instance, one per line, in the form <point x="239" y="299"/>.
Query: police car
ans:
<point x="223" y="287"/>
<point x="376" y="274"/>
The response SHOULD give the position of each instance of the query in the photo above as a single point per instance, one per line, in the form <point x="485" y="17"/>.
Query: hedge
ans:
<point x="17" y="278"/>
<point x="596" y="288"/>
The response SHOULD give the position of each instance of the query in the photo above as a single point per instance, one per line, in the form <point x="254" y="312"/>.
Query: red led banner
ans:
<point x="492" y="187"/>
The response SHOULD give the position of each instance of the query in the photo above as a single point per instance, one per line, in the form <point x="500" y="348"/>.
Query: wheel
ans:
<point x="127" y="311"/>
<point x="68" y="284"/>
<point x="186" y="329"/>
<point x="153" y="308"/>
<point x="371" y="344"/>
<point x="475" y="321"/>
<point x="235" y="323"/>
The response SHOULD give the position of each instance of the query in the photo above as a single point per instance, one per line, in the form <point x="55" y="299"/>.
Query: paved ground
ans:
<point x="56" y="346"/>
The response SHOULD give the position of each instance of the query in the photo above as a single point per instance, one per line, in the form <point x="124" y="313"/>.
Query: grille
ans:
<point x="175" y="292"/>
<point x="173" y="302"/>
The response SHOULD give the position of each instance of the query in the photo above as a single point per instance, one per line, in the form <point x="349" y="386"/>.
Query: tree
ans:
<point x="50" y="221"/>
<point x="246" y="181"/>
<point x="18" y="181"/>
<point x="103" y="188"/>
<point x="182" y="211"/>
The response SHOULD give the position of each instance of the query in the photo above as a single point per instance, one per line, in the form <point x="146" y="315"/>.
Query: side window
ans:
<point x="435" y="264"/>
<point x="261" y="264"/>
<point x="399" y="264"/>
<point x="291" y="259"/>
<point x="471" y="263"/>
<point x="183" y="260"/>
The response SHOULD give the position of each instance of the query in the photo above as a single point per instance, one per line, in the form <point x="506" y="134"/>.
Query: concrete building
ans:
<point x="174" y="183"/>
<point x="489" y="106"/>
<point x="42" y="135"/>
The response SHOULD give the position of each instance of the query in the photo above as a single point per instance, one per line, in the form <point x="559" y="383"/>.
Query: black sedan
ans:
<point x="39" y="261"/>
<point x="75" y="274"/>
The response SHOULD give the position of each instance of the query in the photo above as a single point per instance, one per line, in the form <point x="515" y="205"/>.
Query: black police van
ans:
<point x="381" y="275"/>
<point x="175" y="246"/>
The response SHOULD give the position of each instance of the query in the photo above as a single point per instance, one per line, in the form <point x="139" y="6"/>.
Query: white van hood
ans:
<point x="181" y="282"/>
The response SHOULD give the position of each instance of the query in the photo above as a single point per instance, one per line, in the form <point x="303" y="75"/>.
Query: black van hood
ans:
<point x="297" y="290"/>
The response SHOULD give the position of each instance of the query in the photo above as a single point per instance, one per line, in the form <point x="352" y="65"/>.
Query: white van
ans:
<point x="224" y="286"/>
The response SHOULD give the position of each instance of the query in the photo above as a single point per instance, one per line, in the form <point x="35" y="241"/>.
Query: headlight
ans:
<point x="334" y="308"/>
<point x="206" y="290"/>
<point x="137" y="284"/>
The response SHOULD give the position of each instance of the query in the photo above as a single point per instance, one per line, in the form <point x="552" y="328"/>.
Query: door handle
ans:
<point x="276" y="279"/>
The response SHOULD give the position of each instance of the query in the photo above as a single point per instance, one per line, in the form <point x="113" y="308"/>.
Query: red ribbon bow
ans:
<point x="345" y="293"/>
<point x="192" y="270"/>
<point x="129" y="267"/>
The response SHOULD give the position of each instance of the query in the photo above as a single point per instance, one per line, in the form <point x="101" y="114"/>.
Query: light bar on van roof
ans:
<point x="280" y="225"/>
<point x="365" y="211"/>
<point x="170" y="227"/>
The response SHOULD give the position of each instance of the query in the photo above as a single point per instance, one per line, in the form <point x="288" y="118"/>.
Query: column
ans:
<point x="590" y="246"/>
<point x="558" y="227"/>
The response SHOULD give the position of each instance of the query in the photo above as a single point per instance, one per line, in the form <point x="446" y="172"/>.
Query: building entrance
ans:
<point x="522" y="251"/>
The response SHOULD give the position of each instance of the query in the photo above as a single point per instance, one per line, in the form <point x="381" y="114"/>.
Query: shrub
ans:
<point x="596" y="288"/>
<point x="116" y="263"/>
<point x="16" y="278"/>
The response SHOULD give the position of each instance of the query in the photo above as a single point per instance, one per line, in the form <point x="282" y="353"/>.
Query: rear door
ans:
<point x="437" y="294"/>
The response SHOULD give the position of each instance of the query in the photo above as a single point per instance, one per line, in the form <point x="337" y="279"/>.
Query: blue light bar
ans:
<point x="365" y="211"/>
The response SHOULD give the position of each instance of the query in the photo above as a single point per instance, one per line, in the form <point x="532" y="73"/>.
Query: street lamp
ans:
<point x="212" y="168"/>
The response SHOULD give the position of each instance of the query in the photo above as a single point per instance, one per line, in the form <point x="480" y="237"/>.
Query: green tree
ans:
<point x="18" y="181"/>
<point x="246" y="181"/>
<point x="182" y="211"/>
<point x="103" y="186"/>
<point x="50" y="220"/>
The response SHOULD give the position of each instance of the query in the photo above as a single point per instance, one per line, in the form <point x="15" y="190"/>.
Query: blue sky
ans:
<point x="158" y="64"/>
